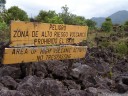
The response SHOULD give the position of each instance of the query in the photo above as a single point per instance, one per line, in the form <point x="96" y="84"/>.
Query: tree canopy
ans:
<point x="15" y="13"/>
<point x="64" y="17"/>
<point x="107" y="25"/>
<point x="48" y="17"/>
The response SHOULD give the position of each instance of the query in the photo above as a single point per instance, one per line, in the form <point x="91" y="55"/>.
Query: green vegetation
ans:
<point x="108" y="35"/>
<point x="107" y="25"/>
<point x="15" y="13"/>
<point x="121" y="48"/>
<point x="49" y="17"/>
<point x="4" y="32"/>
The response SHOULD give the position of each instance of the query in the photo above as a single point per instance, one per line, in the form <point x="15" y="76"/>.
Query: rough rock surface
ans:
<point x="100" y="72"/>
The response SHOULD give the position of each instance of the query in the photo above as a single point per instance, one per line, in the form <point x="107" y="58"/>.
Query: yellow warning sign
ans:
<point x="39" y="34"/>
<point x="35" y="54"/>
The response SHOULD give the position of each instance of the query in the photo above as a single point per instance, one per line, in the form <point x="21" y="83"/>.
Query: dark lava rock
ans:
<point x="14" y="72"/>
<point x="122" y="83"/>
<point x="51" y="88"/>
<point x="85" y="75"/>
<point x="9" y="82"/>
<point x="36" y="86"/>
<point x="6" y="92"/>
<point x="71" y="84"/>
<point x="74" y="92"/>
<point x="82" y="70"/>
<point x="93" y="90"/>
<point x="28" y="86"/>
<point x="39" y="69"/>
<point x="57" y="68"/>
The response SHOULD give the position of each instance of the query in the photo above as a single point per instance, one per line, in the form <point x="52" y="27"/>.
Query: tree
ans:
<point x="65" y="15"/>
<point x="91" y="24"/>
<point x="107" y="25"/>
<point x="48" y="17"/>
<point x="15" y="13"/>
<point x="126" y="26"/>
<point x="69" y="18"/>
<point x="77" y="20"/>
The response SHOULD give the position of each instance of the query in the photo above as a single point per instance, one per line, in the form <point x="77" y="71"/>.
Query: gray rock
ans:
<point x="93" y="90"/>
<point x="57" y="68"/>
<point x="39" y="69"/>
<point x="83" y="70"/>
<point x="50" y="88"/>
<point x="122" y="83"/>
<point x="14" y="72"/>
<point x="5" y="92"/>
<point x="28" y="86"/>
<point x="77" y="64"/>
<point x="71" y="84"/>
<point x="9" y="82"/>
<point x="74" y="92"/>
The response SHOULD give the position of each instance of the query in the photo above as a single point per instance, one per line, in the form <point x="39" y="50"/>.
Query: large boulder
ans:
<point x="82" y="70"/>
<point x="50" y="88"/>
<point x="6" y="92"/>
<point x="71" y="84"/>
<point x="39" y="69"/>
<point x="36" y="86"/>
<point x="74" y="92"/>
<point x="28" y="86"/>
<point x="57" y="68"/>
<point x="122" y="83"/>
<point x="14" y="72"/>
<point x="9" y="82"/>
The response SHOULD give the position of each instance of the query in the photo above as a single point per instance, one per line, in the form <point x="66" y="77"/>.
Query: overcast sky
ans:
<point x="86" y="8"/>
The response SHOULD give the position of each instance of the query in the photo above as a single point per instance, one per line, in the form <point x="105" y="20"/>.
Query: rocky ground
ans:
<point x="100" y="73"/>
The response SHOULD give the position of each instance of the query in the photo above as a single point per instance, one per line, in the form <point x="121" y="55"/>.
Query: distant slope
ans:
<point x="117" y="18"/>
<point x="98" y="20"/>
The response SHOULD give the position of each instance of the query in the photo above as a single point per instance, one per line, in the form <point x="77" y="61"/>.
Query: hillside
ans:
<point x="117" y="18"/>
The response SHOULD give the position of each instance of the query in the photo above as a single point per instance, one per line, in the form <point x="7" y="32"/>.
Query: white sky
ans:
<point x="86" y="8"/>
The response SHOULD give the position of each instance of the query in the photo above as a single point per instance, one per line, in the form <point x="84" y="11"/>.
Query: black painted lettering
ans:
<point x="57" y="27"/>
<point x="61" y="41"/>
<point x="77" y="34"/>
<point x="45" y="51"/>
<point x="26" y="51"/>
<point x="58" y="57"/>
<point x="34" y="33"/>
<point x="33" y="51"/>
<point x="19" y="33"/>
<point x="45" y="41"/>
<point x="46" y="34"/>
<point x="70" y="40"/>
<point x="13" y="51"/>
<point x="60" y="34"/>
<point x="40" y="58"/>
<point x="51" y="27"/>
<point x="19" y="51"/>
<point x="79" y="50"/>
<point x="62" y="50"/>
<point x="15" y="32"/>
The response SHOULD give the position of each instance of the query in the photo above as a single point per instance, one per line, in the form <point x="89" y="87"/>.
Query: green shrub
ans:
<point x="4" y="32"/>
<point x="122" y="48"/>
<point x="3" y="26"/>
<point x="104" y="44"/>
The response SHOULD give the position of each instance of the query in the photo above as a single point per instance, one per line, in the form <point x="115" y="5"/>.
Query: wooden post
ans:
<point x="70" y="65"/>
<point x="29" y="69"/>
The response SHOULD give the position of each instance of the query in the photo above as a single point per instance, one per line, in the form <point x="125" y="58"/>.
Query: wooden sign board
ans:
<point x="35" y="54"/>
<point x="39" y="34"/>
